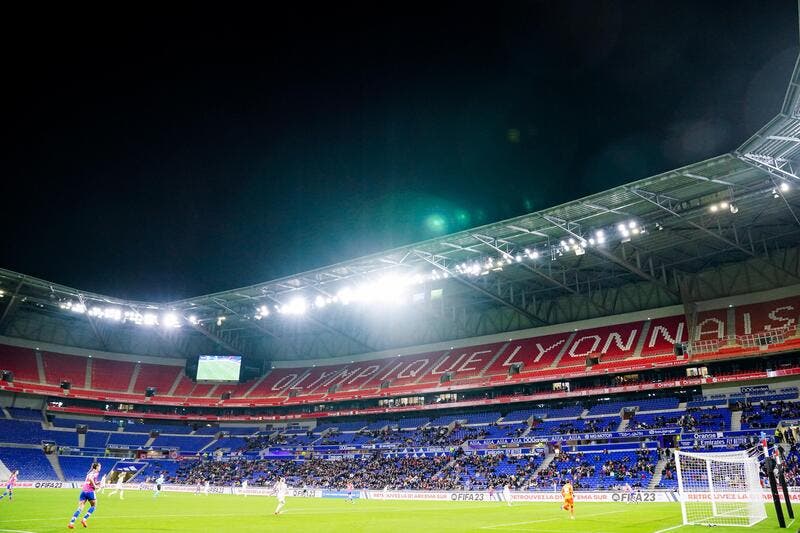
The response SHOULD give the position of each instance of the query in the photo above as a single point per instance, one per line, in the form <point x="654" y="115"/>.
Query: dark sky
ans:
<point x="163" y="158"/>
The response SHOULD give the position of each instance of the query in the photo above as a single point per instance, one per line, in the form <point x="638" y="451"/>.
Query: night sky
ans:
<point x="166" y="158"/>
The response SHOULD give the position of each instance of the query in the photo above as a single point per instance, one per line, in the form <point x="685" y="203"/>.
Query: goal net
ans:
<point x="719" y="488"/>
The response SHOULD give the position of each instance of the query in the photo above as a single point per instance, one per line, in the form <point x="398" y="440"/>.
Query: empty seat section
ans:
<point x="21" y="361"/>
<point x="464" y="363"/>
<point x="404" y="370"/>
<point x="768" y="316"/>
<point x="711" y="325"/>
<point x="75" y="468"/>
<point x="663" y="334"/>
<point x="609" y="343"/>
<point x="111" y="375"/>
<point x="277" y="382"/>
<point x="32" y="464"/>
<point x="159" y="376"/>
<point x="319" y="379"/>
<point x="185" y="386"/>
<point x="534" y="353"/>
<point x="201" y="389"/>
<point x="59" y="367"/>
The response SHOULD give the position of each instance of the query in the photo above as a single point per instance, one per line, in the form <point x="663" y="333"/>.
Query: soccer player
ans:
<point x="159" y="482"/>
<point x="244" y="487"/>
<point x="90" y="484"/>
<point x="507" y="494"/>
<point x="102" y="483"/>
<point x="628" y="491"/>
<point x="569" y="499"/>
<point x="12" y="480"/>
<point x="206" y="487"/>
<point x="118" y="486"/>
<point x="350" y="489"/>
<point x="491" y="492"/>
<point x="280" y="491"/>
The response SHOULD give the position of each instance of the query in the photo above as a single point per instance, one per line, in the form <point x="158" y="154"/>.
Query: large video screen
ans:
<point x="219" y="367"/>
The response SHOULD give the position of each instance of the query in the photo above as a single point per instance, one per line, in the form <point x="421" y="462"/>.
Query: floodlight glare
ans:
<point x="320" y="302"/>
<point x="170" y="320"/>
<point x="784" y="187"/>
<point x="149" y="319"/>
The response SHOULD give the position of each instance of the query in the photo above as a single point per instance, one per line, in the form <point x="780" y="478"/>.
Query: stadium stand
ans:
<point x="31" y="463"/>
<point x="111" y="375"/>
<point x="159" y="376"/>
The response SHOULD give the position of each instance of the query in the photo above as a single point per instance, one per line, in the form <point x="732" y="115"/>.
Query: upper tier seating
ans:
<point x="159" y="376"/>
<point x="627" y="346"/>
<point x="111" y="375"/>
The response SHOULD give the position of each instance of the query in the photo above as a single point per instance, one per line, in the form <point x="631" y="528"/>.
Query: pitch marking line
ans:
<point x="547" y="520"/>
<point x="669" y="528"/>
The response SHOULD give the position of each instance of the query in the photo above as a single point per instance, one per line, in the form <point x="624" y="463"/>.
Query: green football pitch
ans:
<point x="49" y="510"/>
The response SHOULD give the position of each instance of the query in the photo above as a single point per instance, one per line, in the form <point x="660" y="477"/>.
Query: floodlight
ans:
<point x="170" y="320"/>
<point x="320" y="302"/>
<point x="149" y="319"/>
<point x="784" y="186"/>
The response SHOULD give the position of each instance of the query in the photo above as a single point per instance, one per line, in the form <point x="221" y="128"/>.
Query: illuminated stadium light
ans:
<point x="193" y="320"/>
<point x="261" y="312"/>
<point x="95" y="311"/>
<point x="345" y="296"/>
<point x="296" y="306"/>
<point x="112" y="313"/>
<point x="170" y="320"/>
<point x="784" y="188"/>
<point x="149" y="319"/>
<point x="220" y="320"/>
<point x="320" y="302"/>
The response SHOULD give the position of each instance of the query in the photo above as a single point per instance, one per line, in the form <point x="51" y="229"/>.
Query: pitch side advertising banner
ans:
<point x="607" y="435"/>
<point x="652" y="496"/>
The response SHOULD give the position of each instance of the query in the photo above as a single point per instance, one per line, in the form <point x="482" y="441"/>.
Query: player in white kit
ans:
<point x="280" y="492"/>
<point x="118" y="487"/>
<point x="507" y="494"/>
<point x="244" y="487"/>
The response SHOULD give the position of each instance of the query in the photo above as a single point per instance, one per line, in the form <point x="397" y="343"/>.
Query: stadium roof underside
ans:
<point x="683" y="252"/>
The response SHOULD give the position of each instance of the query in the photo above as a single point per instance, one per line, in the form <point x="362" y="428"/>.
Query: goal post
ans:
<point x="719" y="488"/>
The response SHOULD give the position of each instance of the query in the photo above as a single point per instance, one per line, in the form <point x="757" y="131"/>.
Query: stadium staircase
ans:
<point x="149" y="442"/>
<point x="207" y="446"/>
<point x="545" y="463"/>
<point x="40" y="367"/>
<point x="496" y="356"/>
<point x="53" y="459"/>
<point x="736" y="421"/>
<point x="81" y="440"/>
<point x="6" y="413"/>
<point x="134" y="376"/>
<point x="5" y="473"/>
<point x="564" y="349"/>
<point x="659" y="468"/>
<point x="623" y="425"/>
<point x="637" y="352"/>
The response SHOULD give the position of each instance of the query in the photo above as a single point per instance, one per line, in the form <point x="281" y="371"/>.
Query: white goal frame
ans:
<point x="720" y="488"/>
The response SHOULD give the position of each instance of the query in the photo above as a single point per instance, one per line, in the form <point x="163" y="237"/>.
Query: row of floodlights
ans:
<point x="390" y="289"/>
<point x="729" y="206"/>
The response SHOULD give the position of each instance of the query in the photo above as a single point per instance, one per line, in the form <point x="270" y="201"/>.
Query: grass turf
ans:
<point x="45" y="510"/>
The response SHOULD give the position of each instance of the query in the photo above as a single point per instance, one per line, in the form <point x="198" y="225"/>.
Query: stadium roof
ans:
<point x="724" y="226"/>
